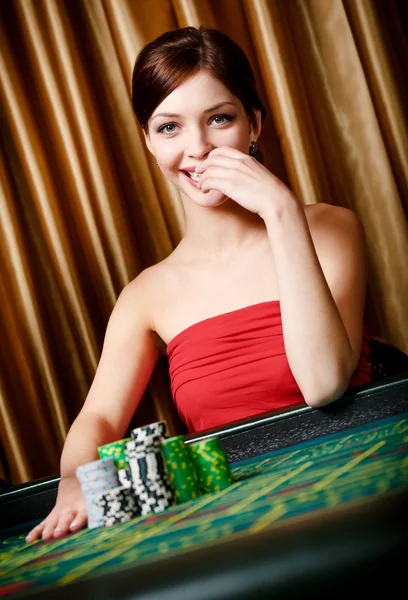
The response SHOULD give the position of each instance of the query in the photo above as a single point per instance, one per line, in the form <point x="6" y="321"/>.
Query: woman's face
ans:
<point x="198" y="116"/>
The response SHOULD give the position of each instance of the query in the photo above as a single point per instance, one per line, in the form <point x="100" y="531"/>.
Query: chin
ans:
<point x="209" y="200"/>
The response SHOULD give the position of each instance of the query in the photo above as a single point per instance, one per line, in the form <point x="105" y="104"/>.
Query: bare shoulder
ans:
<point x="322" y="216"/>
<point x="139" y="307"/>
<point x="136" y="301"/>
<point x="334" y="229"/>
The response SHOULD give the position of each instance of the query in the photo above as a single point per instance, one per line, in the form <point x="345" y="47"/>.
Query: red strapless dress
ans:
<point x="234" y="366"/>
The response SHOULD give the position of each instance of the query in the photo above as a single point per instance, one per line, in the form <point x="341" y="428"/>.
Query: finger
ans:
<point x="217" y="171"/>
<point x="63" y="523"/>
<point x="216" y="183"/>
<point x="228" y="151"/>
<point x="49" y="528"/>
<point x="80" y="521"/>
<point x="36" y="532"/>
<point x="219" y="160"/>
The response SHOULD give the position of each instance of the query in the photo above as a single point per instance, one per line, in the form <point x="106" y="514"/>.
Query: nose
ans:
<point x="198" y="145"/>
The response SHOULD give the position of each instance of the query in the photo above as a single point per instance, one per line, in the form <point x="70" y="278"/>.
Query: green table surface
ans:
<point x="327" y="473"/>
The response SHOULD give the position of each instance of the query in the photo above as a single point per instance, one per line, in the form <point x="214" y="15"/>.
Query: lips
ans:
<point x="191" y="181"/>
<point x="190" y="172"/>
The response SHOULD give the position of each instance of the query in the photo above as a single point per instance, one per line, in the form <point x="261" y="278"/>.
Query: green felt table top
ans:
<point x="321" y="474"/>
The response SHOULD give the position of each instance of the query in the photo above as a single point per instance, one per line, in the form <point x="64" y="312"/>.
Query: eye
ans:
<point x="222" y="119"/>
<point x="167" y="128"/>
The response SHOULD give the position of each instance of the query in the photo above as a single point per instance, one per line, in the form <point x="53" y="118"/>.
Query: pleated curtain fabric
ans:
<point x="83" y="208"/>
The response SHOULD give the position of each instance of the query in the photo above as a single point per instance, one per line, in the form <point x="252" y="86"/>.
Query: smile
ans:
<point x="192" y="177"/>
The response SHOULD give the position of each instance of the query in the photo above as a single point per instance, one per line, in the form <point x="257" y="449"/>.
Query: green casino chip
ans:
<point x="182" y="474"/>
<point x="211" y="465"/>
<point x="115" y="450"/>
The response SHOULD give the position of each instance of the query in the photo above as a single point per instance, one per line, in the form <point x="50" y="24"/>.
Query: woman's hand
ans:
<point x="68" y="515"/>
<point x="243" y="179"/>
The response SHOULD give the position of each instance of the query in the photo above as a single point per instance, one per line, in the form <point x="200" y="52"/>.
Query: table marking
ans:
<point x="103" y="534"/>
<point x="277" y="463"/>
<point x="257" y="494"/>
<point x="347" y="467"/>
<point x="31" y="551"/>
<point x="122" y="547"/>
<point x="400" y="426"/>
<point x="271" y="516"/>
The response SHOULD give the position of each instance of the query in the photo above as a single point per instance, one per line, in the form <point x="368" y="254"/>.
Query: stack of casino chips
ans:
<point x="119" y="505"/>
<point x="182" y="473"/>
<point x="211" y="465"/>
<point x="150" y="479"/>
<point x="149" y="472"/>
<point x="96" y="478"/>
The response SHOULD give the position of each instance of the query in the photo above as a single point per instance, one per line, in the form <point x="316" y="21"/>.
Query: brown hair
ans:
<point x="170" y="59"/>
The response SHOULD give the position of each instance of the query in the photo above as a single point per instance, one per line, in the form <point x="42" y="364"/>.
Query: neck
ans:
<point x="220" y="232"/>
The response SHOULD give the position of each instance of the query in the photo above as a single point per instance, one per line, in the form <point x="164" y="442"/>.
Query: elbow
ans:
<point x="323" y="393"/>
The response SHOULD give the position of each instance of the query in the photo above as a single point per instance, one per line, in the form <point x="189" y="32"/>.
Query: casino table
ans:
<point x="319" y="506"/>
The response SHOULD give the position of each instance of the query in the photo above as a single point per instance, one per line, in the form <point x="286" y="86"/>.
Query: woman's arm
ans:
<point x="128" y="358"/>
<point x="127" y="361"/>
<point x="322" y="300"/>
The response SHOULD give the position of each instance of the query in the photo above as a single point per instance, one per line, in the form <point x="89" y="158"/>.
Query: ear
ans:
<point x="255" y="133"/>
<point x="148" y="143"/>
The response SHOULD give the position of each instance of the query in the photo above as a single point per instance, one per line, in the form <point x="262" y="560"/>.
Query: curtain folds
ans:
<point x="83" y="207"/>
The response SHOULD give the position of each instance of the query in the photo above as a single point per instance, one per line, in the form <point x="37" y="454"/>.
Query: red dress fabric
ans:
<point x="234" y="366"/>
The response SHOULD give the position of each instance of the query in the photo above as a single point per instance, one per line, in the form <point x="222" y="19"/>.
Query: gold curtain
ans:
<point x="83" y="207"/>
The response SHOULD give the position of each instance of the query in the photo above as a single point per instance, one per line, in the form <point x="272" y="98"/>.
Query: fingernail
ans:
<point x="57" y="529"/>
<point x="73" y="525"/>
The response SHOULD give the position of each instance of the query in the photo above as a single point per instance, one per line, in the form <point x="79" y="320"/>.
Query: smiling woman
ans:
<point x="212" y="118"/>
<point x="260" y="305"/>
<point x="201" y="86"/>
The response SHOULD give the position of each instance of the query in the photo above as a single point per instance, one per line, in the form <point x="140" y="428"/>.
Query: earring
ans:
<point x="253" y="148"/>
<point x="157" y="164"/>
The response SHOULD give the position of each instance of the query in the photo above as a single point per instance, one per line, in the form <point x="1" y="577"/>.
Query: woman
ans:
<point x="260" y="305"/>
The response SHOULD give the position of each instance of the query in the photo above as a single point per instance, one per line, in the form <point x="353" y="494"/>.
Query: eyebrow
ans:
<point x="215" y="107"/>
